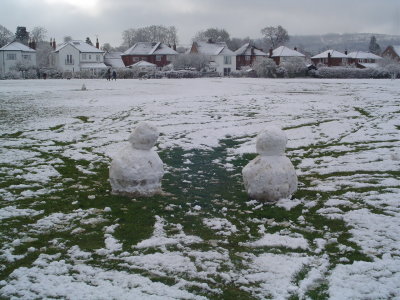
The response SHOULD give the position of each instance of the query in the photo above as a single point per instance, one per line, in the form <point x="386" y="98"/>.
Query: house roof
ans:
<point x="397" y="49"/>
<point x="148" y="48"/>
<point x="143" y="64"/>
<point x="219" y="48"/>
<point x="363" y="55"/>
<point x="334" y="54"/>
<point x="16" y="46"/>
<point x="369" y="65"/>
<point x="114" y="60"/>
<point x="246" y="50"/>
<point x="82" y="47"/>
<point x="283" y="51"/>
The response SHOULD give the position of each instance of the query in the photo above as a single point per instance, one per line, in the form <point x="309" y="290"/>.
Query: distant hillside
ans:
<point x="314" y="44"/>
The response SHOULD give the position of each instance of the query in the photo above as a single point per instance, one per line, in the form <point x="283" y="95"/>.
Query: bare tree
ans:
<point x="214" y="34"/>
<point x="275" y="36"/>
<point x="153" y="33"/>
<point x="6" y="36"/>
<point x="39" y="34"/>
<point x="67" y="38"/>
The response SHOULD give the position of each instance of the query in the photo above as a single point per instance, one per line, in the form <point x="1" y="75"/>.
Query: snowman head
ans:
<point x="271" y="141"/>
<point x="144" y="136"/>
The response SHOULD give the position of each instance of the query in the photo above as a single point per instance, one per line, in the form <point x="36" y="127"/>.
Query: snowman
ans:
<point x="270" y="176"/>
<point x="137" y="170"/>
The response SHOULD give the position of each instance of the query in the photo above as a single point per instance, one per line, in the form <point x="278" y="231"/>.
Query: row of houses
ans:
<point x="75" y="56"/>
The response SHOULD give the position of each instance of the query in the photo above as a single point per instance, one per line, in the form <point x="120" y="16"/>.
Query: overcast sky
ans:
<point x="241" y="18"/>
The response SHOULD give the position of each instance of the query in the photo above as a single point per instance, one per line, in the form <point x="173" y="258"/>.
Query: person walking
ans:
<point x="114" y="75"/>
<point x="108" y="75"/>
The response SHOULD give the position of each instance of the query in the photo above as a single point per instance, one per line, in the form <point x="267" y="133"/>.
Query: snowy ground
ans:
<point x="62" y="235"/>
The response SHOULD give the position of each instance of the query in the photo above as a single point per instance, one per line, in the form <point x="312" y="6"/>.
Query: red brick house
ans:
<point x="282" y="54"/>
<point x="392" y="52"/>
<point x="363" y="59"/>
<point x="331" y="58"/>
<point x="155" y="53"/>
<point x="247" y="54"/>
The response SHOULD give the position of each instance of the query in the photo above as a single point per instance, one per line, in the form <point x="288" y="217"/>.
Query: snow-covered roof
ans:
<point x="397" y="49"/>
<point x="82" y="47"/>
<point x="246" y="50"/>
<point x="363" y="55"/>
<point x="334" y="54"/>
<point x="219" y="48"/>
<point x="283" y="51"/>
<point x="93" y="66"/>
<point x="16" y="46"/>
<point x="148" y="48"/>
<point x="143" y="64"/>
<point x="113" y="59"/>
<point x="369" y="65"/>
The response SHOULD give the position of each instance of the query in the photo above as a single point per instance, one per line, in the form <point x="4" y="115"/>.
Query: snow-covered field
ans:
<point x="63" y="235"/>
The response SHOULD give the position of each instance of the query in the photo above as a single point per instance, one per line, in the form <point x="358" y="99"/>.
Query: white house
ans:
<point x="221" y="58"/>
<point x="14" y="54"/>
<point x="76" y="56"/>
<point x="282" y="54"/>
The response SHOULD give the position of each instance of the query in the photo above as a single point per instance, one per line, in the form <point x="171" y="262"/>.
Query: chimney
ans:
<point x="51" y="42"/>
<point x="329" y="59"/>
<point x="270" y="52"/>
<point x="54" y="44"/>
<point x="33" y="44"/>
<point x="97" y="43"/>
<point x="174" y="46"/>
<point x="295" y="48"/>
<point x="345" y="51"/>
<point x="29" y="43"/>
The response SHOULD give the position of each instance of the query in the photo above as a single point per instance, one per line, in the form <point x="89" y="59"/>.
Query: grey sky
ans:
<point x="241" y="18"/>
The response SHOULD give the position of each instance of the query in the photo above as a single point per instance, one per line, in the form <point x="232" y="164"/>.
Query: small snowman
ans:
<point x="270" y="176"/>
<point x="137" y="170"/>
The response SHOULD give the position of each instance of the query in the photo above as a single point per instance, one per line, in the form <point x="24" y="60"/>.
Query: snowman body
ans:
<point x="137" y="170"/>
<point x="271" y="175"/>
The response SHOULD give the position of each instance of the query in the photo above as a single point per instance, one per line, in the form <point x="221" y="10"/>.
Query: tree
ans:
<point x="107" y="47"/>
<point x="39" y="34"/>
<point x="43" y="50"/>
<point x="153" y="33"/>
<point x="22" y="35"/>
<point x="236" y="43"/>
<point x="275" y="36"/>
<point x="374" y="46"/>
<point x="265" y="67"/>
<point x="191" y="60"/>
<point x="6" y="36"/>
<point x="88" y="41"/>
<point x="213" y="34"/>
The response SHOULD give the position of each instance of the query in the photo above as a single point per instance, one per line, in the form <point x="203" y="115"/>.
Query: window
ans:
<point x="98" y="58"/>
<point x="247" y="57"/>
<point x="11" y="56"/>
<point x="158" y="57"/>
<point x="69" y="60"/>
<point x="227" y="60"/>
<point x="26" y="57"/>
<point x="90" y="57"/>
<point x="84" y="56"/>
<point x="170" y="57"/>
<point x="136" y="59"/>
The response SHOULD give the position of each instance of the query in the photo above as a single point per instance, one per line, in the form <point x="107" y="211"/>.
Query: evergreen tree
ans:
<point x="88" y="41"/>
<point x="22" y="35"/>
<point x="374" y="46"/>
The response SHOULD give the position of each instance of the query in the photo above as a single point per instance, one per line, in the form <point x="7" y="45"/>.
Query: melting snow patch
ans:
<point x="221" y="226"/>
<point x="277" y="240"/>
<point x="12" y="211"/>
